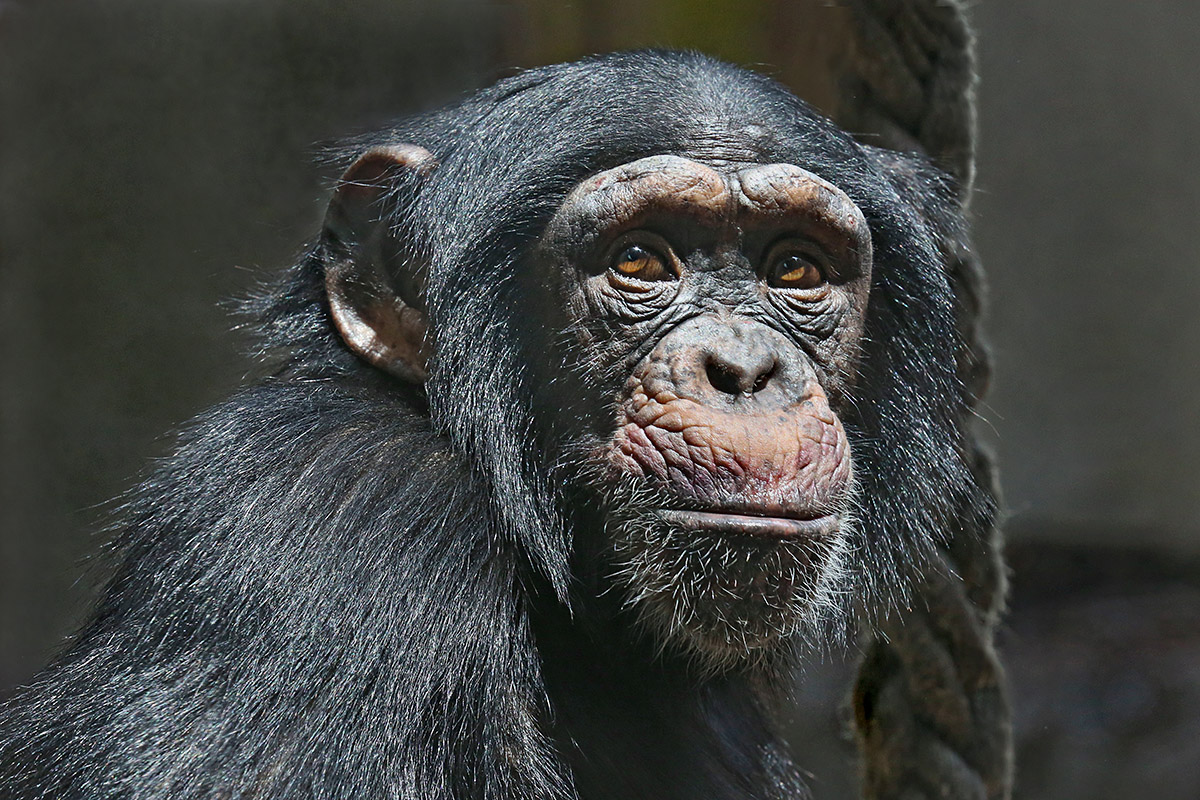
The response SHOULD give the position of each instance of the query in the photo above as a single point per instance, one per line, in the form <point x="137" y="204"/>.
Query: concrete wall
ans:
<point x="1087" y="219"/>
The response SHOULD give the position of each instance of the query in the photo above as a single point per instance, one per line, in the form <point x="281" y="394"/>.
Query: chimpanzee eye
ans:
<point x="795" y="271"/>
<point x="642" y="263"/>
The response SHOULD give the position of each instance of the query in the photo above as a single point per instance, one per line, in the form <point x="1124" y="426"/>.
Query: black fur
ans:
<point x="342" y="587"/>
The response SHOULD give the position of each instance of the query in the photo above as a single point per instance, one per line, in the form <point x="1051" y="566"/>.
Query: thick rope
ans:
<point x="907" y="81"/>
<point x="931" y="711"/>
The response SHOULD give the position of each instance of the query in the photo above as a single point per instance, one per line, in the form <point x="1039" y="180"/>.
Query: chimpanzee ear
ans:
<point x="374" y="282"/>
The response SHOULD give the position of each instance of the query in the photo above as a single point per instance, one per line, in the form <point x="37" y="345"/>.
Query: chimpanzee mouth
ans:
<point x="767" y="527"/>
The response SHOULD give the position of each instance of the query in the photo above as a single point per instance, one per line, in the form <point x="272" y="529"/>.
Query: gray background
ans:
<point x="156" y="157"/>
<point x="1088" y="218"/>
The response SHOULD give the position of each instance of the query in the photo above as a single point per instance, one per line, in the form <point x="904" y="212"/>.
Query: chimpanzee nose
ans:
<point x="718" y="359"/>
<point x="739" y="371"/>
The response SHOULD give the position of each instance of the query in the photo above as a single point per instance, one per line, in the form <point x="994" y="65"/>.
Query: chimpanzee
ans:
<point x="601" y="397"/>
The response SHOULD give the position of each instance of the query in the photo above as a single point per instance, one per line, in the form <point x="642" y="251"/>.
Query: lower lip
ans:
<point x="745" y="525"/>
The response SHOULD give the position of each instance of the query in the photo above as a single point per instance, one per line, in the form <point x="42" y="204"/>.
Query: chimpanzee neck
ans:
<point x="631" y="723"/>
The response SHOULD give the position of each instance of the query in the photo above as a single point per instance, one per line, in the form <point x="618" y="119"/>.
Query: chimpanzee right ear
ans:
<point x="374" y="283"/>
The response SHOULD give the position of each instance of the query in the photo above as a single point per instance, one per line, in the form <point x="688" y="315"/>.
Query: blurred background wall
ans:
<point x="156" y="157"/>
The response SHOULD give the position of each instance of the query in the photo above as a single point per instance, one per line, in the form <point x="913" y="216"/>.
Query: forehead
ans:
<point x="723" y="142"/>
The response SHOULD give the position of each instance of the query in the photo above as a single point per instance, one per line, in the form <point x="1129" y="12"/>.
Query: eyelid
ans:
<point x="631" y="284"/>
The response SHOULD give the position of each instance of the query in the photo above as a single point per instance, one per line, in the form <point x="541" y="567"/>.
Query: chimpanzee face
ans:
<point x="719" y="308"/>
<point x="690" y="332"/>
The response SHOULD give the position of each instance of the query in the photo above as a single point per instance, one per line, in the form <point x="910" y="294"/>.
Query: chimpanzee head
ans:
<point x="699" y="342"/>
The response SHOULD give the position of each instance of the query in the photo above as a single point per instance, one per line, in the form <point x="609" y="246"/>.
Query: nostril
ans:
<point x="733" y="379"/>
<point x="763" y="379"/>
<point x="723" y="378"/>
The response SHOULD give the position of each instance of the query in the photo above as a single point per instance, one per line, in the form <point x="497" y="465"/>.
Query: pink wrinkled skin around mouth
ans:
<point x="792" y="462"/>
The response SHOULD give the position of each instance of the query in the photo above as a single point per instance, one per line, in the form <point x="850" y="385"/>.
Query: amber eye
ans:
<point x="795" y="271"/>
<point x="642" y="263"/>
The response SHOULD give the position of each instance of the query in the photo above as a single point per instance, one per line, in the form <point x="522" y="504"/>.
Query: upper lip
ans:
<point x="761" y="524"/>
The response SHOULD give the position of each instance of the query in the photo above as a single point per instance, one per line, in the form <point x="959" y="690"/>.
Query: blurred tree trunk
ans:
<point x="796" y="41"/>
